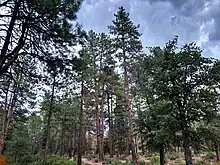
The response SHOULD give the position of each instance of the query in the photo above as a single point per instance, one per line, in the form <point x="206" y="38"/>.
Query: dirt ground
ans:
<point x="176" y="161"/>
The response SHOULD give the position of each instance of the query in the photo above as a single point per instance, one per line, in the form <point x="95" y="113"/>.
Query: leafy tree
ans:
<point x="209" y="132"/>
<point x="188" y="81"/>
<point x="156" y="126"/>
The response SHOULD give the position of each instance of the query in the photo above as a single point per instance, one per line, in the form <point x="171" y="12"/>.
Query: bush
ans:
<point x="155" y="160"/>
<point x="201" y="163"/>
<point x="142" y="162"/>
<point x="209" y="156"/>
<point x="54" y="160"/>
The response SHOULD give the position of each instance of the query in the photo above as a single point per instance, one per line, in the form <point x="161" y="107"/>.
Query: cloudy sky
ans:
<point x="160" y="20"/>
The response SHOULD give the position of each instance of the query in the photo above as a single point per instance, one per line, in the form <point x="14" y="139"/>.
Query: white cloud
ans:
<point x="160" y="20"/>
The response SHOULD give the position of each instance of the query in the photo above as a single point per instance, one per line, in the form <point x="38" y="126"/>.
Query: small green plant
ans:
<point x="53" y="160"/>
<point x="155" y="160"/>
<point x="142" y="162"/>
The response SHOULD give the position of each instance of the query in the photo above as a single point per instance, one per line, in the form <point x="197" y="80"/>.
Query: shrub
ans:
<point x="155" y="160"/>
<point x="209" y="156"/>
<point x="54" y="160"/>
<point x="142" y="162"/>
<point x="201" y="163"/>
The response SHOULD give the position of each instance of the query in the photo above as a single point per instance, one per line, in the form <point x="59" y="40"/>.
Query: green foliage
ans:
<point x="128" y="37"/>
<point x="155" y="160"/>
<point x="179" y="87"/>
<point x="18" y="145"/>
<point x="54" y="160"/>
<point x="42" y="23"/>
<point x="141" y="162"/>
<point x="209" y="156"/>
<point x="174" y="91"/>
<point x="201" y="162"/>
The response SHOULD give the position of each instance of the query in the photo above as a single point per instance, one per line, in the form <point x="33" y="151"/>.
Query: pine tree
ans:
<point x="33" y="26"/>
<point x="16" y="86"/>
<point x="128" y="42"/>
<point x="98" y="52"/>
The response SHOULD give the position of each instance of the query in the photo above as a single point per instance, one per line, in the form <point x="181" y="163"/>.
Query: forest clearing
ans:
<point x="72" y="96"/>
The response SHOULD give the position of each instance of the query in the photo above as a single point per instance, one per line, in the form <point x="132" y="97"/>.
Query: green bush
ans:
<point x="142" y="162"/>
<point x="53" y="160"/>
<point x="155" y="160"/>
<point x="201" y="163"/>
<point x="114" y="162"/>
<point x="209" y="156"/>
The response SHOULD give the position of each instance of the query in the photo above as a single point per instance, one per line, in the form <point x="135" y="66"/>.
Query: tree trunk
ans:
<point x="103" y="120"/>
<point x="162" y="155"/>
<point x="187" y="151"/>
<point x="128" y="101"/>
<point x="110" y="127"/>
<point x="84" y="145"/>
<point x="216" y="151"/>
<point x="97" y="122"/>
<point x="142" y="146"/>
<point x="70" y="150"/>
<point x="47" y="131"/>
<point x="3" y="132"/>
<point x="6" y="117"/>
<point x="75" y="143"/>
<point x="136" y="145"/>
<point x="9" y="34"/>
<point x="79" y="159"/>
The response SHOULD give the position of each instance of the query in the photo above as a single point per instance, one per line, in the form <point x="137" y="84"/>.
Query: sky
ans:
<point x="160" y="20"/>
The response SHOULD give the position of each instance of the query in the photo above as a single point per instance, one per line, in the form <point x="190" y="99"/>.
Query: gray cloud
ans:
<point x="176" y="3"/>
<point x="201" y="10"/>
<point x="160" y="20"/>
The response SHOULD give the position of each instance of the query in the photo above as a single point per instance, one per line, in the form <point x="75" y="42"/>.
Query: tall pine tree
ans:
<point x="129" y="45"/>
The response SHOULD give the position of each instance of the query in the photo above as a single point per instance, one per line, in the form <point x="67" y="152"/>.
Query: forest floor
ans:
<point x="147" y="160"/>
<point x="86" y="161"/>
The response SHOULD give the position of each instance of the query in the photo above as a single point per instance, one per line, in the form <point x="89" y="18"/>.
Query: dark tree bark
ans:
<point x="103" y="120"/>
<point x="79" y="149"/>
<point x="48" y="125"/>
<point x="216" y="151"/>
<point x="162" y="155"/>
<point x="110" y="126"/>
<point x="97" y="121"/>
<point x="186" y="147"/>
<point x="128" y="101"/>
<point x="6" y="112"/>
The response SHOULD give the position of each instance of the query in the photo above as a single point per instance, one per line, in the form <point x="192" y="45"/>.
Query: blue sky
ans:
<point x="160" y="20"/>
